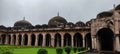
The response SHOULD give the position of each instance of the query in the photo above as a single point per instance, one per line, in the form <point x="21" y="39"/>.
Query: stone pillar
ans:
<point x="52" y="40"/>
<point x="62" y="40"/>
<point x="12" y="42"/>
<point x="98" y="46"/>
<point x="44" y="40"/>
<point x="93" y="42"/>
<point x="83" y="42"/>
<point x="17" y="40"/>
<point x="29" y="40"/>
<point x="72" y="41"/>
<point x="36" y="39"/>
<point x="22" y="41"/>
<point x="6" y="39"/>
<point x="117" y="43"/>
<point x="0" y="39"/>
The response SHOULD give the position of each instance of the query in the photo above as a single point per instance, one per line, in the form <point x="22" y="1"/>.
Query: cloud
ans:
<point x="40" y="11"/>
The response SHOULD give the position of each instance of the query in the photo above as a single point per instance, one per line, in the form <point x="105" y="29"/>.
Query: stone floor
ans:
<point x="100" y="53"/>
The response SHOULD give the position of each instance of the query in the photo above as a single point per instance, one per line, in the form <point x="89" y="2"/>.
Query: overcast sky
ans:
<point x="41" y="11"/>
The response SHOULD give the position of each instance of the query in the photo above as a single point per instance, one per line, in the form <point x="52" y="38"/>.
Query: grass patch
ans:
<point x="32" y="50"/>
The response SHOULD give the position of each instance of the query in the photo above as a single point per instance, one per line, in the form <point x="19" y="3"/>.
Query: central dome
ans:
<point x="22" y="23"/>
<point x="57" y="20"/>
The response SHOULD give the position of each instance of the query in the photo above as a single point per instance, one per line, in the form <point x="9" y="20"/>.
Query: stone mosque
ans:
<point x="101" y="33"/>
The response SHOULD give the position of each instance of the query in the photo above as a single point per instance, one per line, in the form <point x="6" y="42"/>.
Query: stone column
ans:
<point x="62" y="40"/>
<point x="52" y="40"/>
<point x="12" y="42"/>
<point x="83" y="42"/>
<point x="72" y="41"/>
<point x="117" y="43"/>
<point x="98" y="46"/>
<point x="36" y="39"/>
<point x="22" y="41"/>
<point x="17" y="40"/>
<point x="29" y="40"/>
<point x="44" y="40"/>
<point x="93" y="42"/>
<point x="6" y="39"/>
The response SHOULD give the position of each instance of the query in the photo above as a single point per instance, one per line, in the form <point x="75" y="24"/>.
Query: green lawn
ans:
<point x="29" y="50"/>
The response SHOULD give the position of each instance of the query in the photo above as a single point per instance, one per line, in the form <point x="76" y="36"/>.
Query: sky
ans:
<point x="41" y="11"/>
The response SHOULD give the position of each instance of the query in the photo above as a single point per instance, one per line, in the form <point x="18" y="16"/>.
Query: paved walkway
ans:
<point x="90" y="53"/>
<point x="98" y="53"/>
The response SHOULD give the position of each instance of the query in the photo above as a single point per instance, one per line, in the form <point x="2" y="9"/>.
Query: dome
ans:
<point x="22" y="23"/>
<point x="118" y="7"/>
<point x="70" y="23"/>
<point x="57" y="20"/>
<point x="104" y="14"/>
<point x="80" y="23"/>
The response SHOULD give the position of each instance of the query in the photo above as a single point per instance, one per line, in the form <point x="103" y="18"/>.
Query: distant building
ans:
<point x="101" y="33"/>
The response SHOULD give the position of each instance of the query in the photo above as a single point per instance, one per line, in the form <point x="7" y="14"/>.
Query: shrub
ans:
<point x="75" y="49"/>
<point x="67" y="50"/>
<point x="80" y="49"/>
<point x="59" y="50"/>
<point x="42" y="51"/>
<point x="7" y="52"/>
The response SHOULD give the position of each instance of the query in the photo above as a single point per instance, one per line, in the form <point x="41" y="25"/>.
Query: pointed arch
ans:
<point x="57" y="40"/>
<point x="14" y="39"/>
<point x="33" y="37"/>
<point x="19" y="39"/>
<point x="3" y="38"/>
<point x="105" y="38"/>
<point x="9" y="39"/>
<point x="88" y="41"/>
<point x="48" y="40"/>
<point x="25" y="39"/>
<point x="67" y="39"/>
<point x="78" y="40"/>
<point x="40" y="40"/>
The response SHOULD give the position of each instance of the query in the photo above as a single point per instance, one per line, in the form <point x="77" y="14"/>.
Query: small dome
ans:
<point x="22" y="23"/>
<point x="57" y="20"/>
<point x="118" y="7"/>
<point x="104" y="14"/>
<point x="70" y="23"/>
<point x="80" y="23"/>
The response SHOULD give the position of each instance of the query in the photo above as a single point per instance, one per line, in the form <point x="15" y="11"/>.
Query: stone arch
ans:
<point x="40" y="40"/>
<point x="48" y="40"/>
<point x="19" y="39"/>
<point x="78" y="40"/>
<point x="67" y="39"/>
<point x="57" y="40"/>
<point x="105" y="38"/>
<point x="33" y="39"/>
<point x="25" y="39"/>
<point x="88" y="41"/>
<point x="9" y="39"/>
<point x="3" y="38"/>
<point x="14" y="39"/>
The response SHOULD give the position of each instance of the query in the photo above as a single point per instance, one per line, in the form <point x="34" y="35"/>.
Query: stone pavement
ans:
<point x="100" y="53"/>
